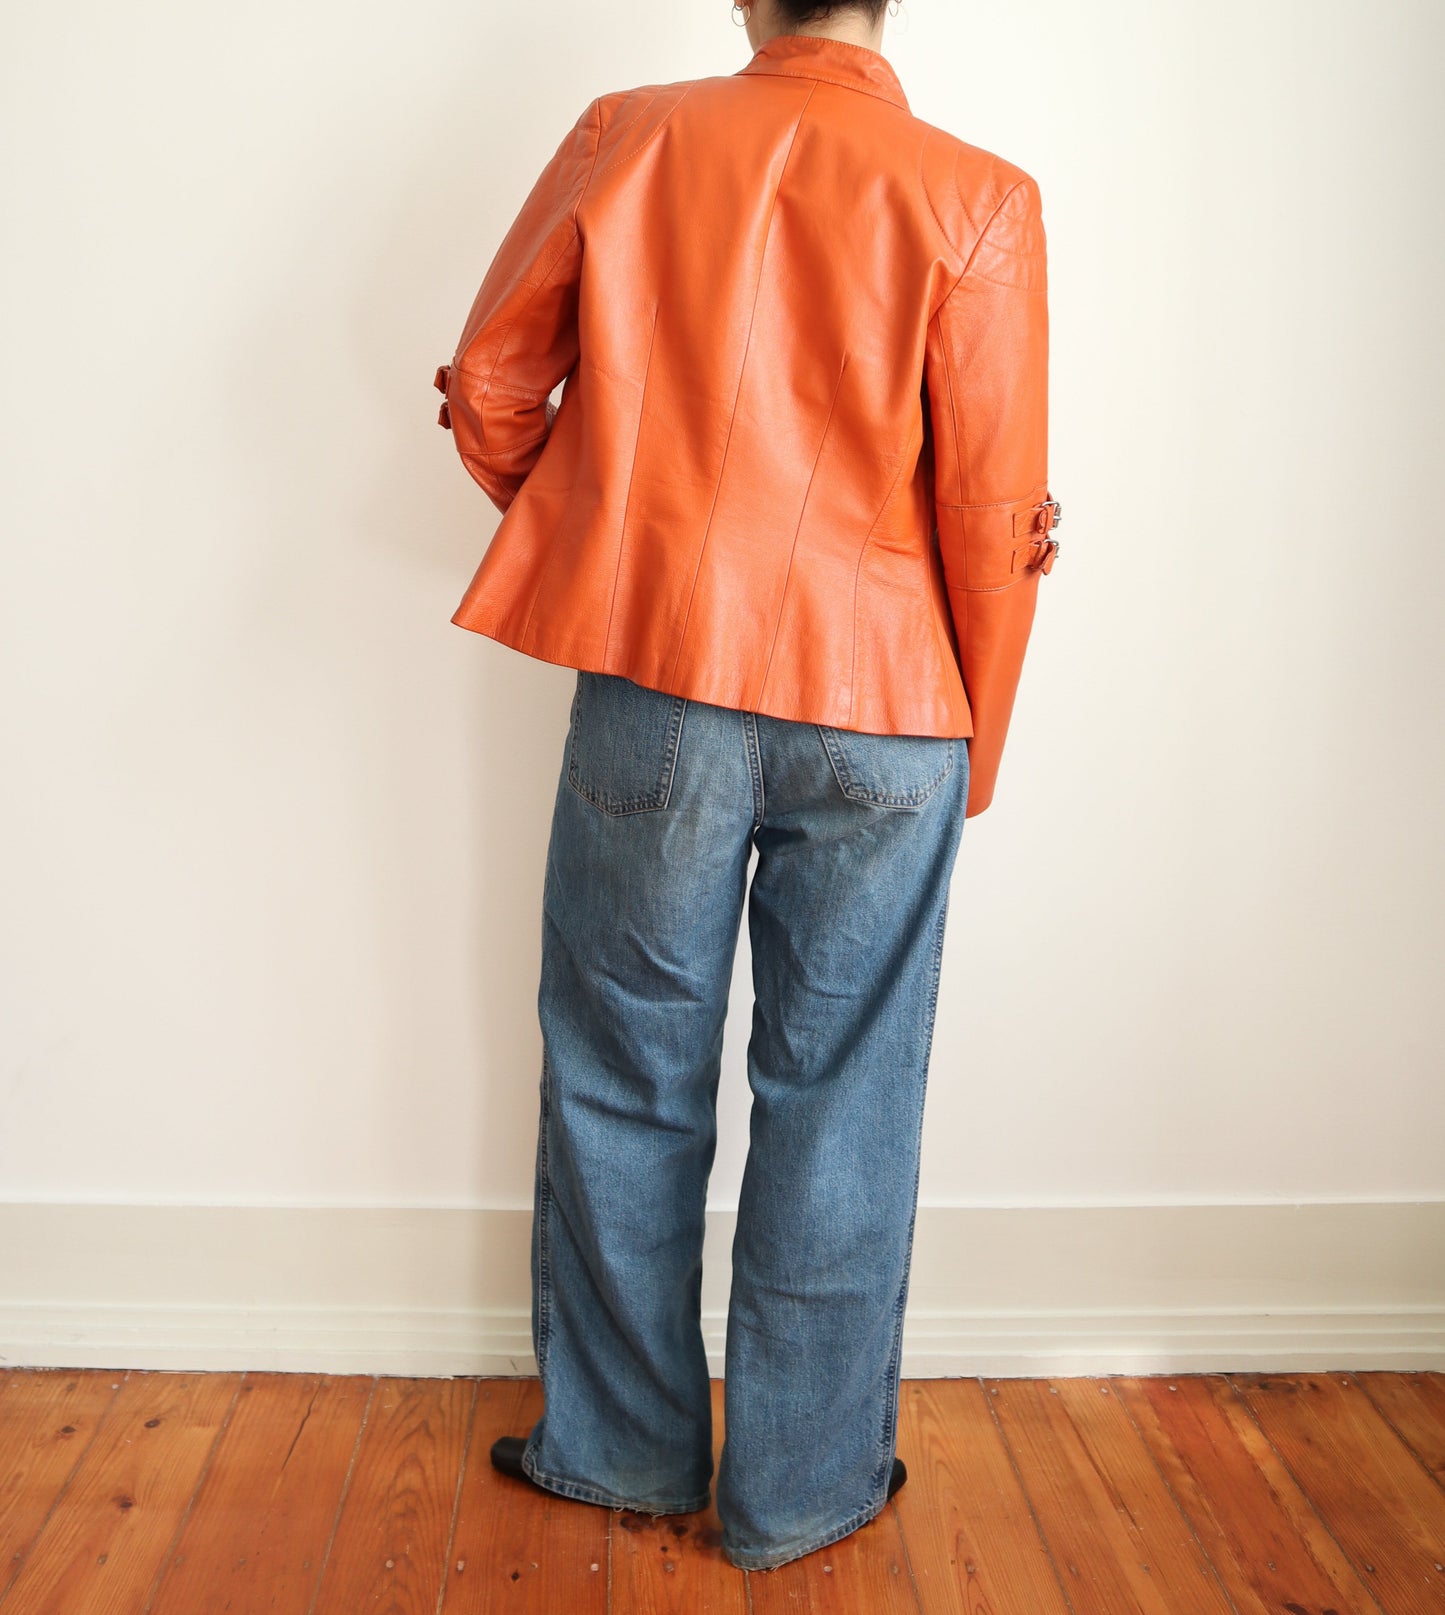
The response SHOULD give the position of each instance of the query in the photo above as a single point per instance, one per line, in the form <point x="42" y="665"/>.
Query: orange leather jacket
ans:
<point x="799" y="465"/>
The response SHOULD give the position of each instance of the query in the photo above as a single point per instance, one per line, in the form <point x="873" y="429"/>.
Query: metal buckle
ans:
<point x="1055" y="515"/>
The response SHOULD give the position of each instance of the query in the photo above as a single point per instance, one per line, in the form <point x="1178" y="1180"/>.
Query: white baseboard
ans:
<point x="999" y="1292"/>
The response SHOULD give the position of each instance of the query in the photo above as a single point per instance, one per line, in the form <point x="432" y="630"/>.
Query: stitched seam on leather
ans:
<point x="506" y="330"/>
<point x="562" y="251"/>
<point x="942" y="302"/>
<point x="494" y="454"/>
<point x="958" y="190"/>
<point x="552" y="552"/>
<point x="742" y="371"/>
<point x="857" y="574"/>
<point x="998" y="588"/>
<point x="498" y="488"/>
<point x="636" y="116"/>
<point x="793" y="548"/>
<point x="946" y="659"/>
<point x="928" y="195"/>
<point x="491" y="384"/>
<point x="822" y="78"/>
<point x="1008" y="285"/>
<point x="596" y="152"/>
<point x="940" y="638"/>
<point x="948" y="365"/>
<point x="1017" y="185"/>
<point x="852" y="44"/>
<point x="496" y="386"/>
<point x="642" y="145"/>
<point x="631" y="477"/>
<point x="957" y="452"/>
<point x="995" y="504"/>
<point x="972" y="255"/>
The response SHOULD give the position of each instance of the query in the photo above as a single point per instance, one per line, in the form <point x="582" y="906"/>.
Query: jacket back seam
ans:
<point x="793" y="548"/>
<point x="737" y="392"/>
<point x="627" y="498"/>
<point x="858" y="573"/>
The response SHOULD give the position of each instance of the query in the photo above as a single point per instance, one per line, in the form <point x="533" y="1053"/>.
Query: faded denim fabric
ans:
<point x="659" y="804"/>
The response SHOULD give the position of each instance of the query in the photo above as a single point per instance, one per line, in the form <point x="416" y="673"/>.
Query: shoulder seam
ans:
<point x="1018" y="184"/>
<point x="596" y="149"/>
<point x="687" y="88"/>
<point x="928" y="194"/>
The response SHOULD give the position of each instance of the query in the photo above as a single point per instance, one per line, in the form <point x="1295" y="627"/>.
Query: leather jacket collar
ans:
<point x="838" y="61"/>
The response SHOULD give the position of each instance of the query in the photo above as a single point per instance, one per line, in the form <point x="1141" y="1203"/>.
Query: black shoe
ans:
<point x="507" y="1456"/>
<point x="899" y="1475"/>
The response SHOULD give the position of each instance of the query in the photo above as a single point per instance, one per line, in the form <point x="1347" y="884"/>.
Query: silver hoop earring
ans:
<point x="747" y="12"/>
<point x="895" y="7"/>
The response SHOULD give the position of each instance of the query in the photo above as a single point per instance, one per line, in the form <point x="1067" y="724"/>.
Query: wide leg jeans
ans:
<point x="659" y="804"/>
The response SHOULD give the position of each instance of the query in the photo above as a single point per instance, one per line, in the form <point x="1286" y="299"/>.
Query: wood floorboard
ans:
<point x="269" y="1499"/>
<point x="515" y="1547"/>
<point x="1270" y="1548"/>
<point x="393" y="1541"/>
<point x="104" y="1544"/>
<point x="130" y="1493"/>
<point x="973" y="1541"/>
<point x="47" y="1421"/>
<point x="1368" y="1487"/>
<point x="1120" y="1542"/>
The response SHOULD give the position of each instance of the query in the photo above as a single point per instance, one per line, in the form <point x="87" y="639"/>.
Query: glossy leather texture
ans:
<point x="799" y="464"/>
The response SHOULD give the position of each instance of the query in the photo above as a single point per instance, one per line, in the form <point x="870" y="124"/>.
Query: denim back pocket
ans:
<point x="622" y="751"/>
<point x="894" y="771"/>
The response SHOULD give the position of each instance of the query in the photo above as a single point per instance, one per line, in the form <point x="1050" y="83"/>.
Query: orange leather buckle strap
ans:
<point x="1042" y="518"/>
<point x="439" y="381"/>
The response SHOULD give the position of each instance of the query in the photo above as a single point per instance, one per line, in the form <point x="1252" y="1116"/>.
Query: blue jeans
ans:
<point x="659" y="804"/>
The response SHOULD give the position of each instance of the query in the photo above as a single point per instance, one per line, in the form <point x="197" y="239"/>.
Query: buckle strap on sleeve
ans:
<point x="439" y="381"/>
<point x="1042" y="551"/>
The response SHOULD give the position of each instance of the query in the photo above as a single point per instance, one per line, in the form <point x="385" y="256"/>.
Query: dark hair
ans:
<point x="813" y="10"/>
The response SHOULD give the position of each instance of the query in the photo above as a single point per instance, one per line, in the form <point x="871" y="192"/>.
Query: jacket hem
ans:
<point x="672" y="686"/>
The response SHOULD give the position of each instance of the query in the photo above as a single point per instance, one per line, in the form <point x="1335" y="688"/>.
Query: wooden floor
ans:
<point x="225" y="1494"/>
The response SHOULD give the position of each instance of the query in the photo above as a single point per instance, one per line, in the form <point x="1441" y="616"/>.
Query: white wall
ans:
<point x="274" y="828"/>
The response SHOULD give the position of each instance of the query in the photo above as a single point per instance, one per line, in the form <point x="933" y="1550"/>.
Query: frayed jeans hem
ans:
<point x="774" y="1558"/>
<point x="579" y="1493"/>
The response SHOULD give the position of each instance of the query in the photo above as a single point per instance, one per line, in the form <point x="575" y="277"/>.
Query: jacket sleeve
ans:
<point x="986" y="368"/>
<point x="520" y="338"/>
